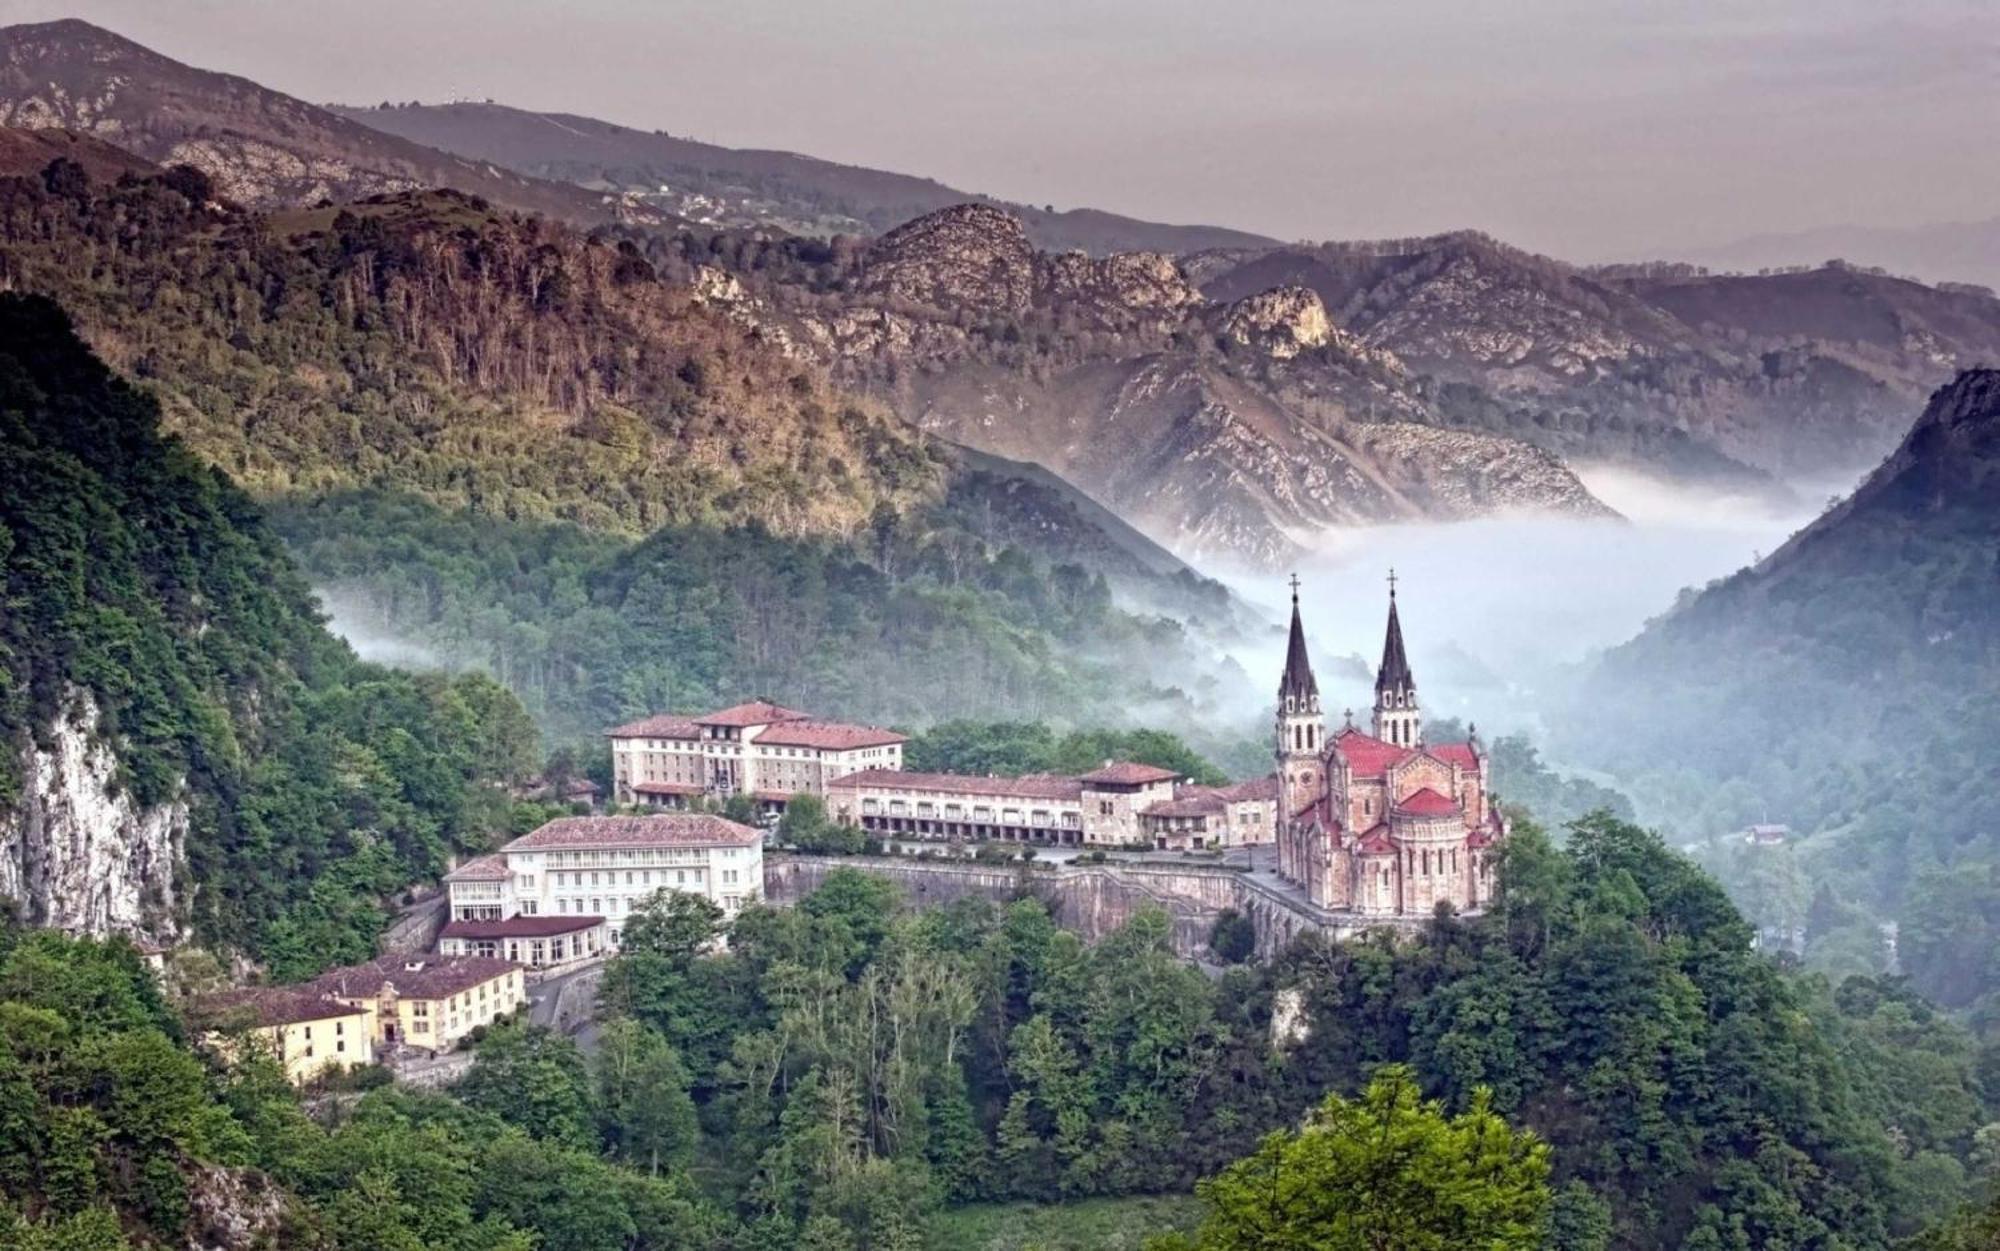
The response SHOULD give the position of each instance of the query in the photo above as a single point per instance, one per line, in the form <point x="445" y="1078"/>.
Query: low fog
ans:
<point x="1496" y="611"/>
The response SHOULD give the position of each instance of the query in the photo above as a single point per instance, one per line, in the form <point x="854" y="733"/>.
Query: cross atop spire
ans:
<point x="1298" y="689"/>
<point x="1395" y="671"/>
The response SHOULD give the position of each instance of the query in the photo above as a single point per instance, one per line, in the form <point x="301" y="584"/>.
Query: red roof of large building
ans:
<point x="424" y="977"/>
<point x="1127" y="773"/>
<point x="1460" y="754"/>
<point x="1427" y="803"/>
<point x="519" y="927"/>
<point x="666" y="725"/>
<point x="1034" y="786"/>
<point x="677" y="829"/>
<point x="666" y="788"/>
<point x="1368" y="756"/>
<point x="1371" y="757"/>
<point x="829" y="735"/>
<point x="269" y="1005"/>
<point x="756" y="712"/>
<point x="479" y="869"/>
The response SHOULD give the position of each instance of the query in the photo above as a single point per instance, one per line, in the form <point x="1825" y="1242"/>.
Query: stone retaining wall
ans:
<point x="1092" y="900"/>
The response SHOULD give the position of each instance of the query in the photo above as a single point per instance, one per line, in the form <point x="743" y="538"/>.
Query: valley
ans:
<point x="422" y="524"/>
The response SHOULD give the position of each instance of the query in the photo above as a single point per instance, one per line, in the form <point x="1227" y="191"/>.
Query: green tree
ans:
<point x="643" y="1108"/>
<point x="534" y="1079"/>
<point x="1385" y="1172"/>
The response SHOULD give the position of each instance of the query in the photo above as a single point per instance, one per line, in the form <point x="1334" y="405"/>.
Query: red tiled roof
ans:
<point x="666" y="788"/>
<point x="1034" y="786"/>
<point x="756" y="712"/>
<point x="1376" y="843"/>
<point x="666" y="725"/>
<point x="432" y="977"/>
<point x="1479" y="838"/>
<point x="1256" y="789"/>
<point x="1369" y="757"/>
<point x="1193" y="801"/>
<point x="269" y="1005"/>
<point x="829" y="735"/>
<point x="519" y="927"/>
<point x="480" y="869"/>
<point x="1127" y="773"/>
<point x="678" y="829"/>
<point x="1427" y="803"/>
<point x="1460" y="754"/>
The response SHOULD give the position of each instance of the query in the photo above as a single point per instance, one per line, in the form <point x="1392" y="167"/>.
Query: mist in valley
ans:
<point x="1501" y="613"/>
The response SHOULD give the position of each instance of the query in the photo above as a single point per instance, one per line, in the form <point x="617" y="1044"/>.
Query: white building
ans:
<point x="564" y="892"/>
<point x="758" y="749"/>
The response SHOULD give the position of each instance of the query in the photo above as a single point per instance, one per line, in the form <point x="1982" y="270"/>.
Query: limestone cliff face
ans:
<point x="75" y="853"/>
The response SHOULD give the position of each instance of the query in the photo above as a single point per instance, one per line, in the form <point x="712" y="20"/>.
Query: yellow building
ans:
<point x="308" y="1032"/>
<point x="427" y="1001"/>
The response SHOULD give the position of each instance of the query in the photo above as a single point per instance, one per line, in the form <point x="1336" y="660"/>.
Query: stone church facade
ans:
<point x="1381" y="823"/>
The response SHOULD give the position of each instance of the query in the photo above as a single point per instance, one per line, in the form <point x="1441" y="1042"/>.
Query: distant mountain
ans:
<point x="1803" y="376"/>
<point x="1224" y="430"/>
<point x="747" y="188"/>
<point x="263" y="148"/>
<point x="1844" y="685"/>
<point x="1944" y="252"/>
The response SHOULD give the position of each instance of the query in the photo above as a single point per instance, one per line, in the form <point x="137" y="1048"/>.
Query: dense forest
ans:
<point x="1843" y="687"/>
<point x="432" y="344"/>
<point x="141" y="578"/>
<point x="845" y="1073"/>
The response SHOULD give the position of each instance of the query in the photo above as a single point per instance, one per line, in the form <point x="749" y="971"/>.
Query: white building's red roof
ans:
<point x="828" y="735"/>
<point x="677" y="829"/>
<point x="665" y="725"/>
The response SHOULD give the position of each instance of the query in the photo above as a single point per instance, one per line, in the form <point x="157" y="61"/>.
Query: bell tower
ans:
<point x="1301" y="731"/>
<point x="1397" y="718"/>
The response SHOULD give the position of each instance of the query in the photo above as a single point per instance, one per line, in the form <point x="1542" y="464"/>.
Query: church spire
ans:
<point x="1298" y="689"/>
<point x="1397" y="719"/>
<point x="1395" y="671"/>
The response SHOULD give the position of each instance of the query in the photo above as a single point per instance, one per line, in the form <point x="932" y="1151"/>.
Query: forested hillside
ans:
<point x="465" y="419"/>
<point x="1844" y="687"/>
<point x="145" y="608"/>
<point x="906" y="626"/>
<point x="433" y="344"/>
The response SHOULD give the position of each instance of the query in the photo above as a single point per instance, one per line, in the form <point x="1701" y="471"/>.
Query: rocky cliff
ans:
<point x="1227" y="430"/>
<point x="1662" y="367"/>
<point x="77" y="852"/>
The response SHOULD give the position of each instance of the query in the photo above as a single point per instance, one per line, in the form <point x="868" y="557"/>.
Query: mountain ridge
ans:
<point x="263" y="148"/>
<point x="748" y="187"/>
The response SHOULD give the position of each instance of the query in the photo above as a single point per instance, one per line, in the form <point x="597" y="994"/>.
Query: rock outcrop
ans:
<point x="75" y="853"/>
<point x="1227" y="431"/>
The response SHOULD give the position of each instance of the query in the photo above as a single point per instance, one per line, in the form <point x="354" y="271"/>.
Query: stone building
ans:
<point x="1243" y="814"/>
<point x="758" y="749"/>
<point x="427" y="1001"/>
<point x="1381" y="823"/>
<point x="1121" y="804"/>
<point x="563" y="892"/>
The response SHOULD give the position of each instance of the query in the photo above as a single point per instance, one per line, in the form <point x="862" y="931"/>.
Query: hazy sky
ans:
<point x="1584" y="128"/>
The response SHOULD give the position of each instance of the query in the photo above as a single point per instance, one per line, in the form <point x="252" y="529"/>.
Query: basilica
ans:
<point x="1381" y="823"/>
